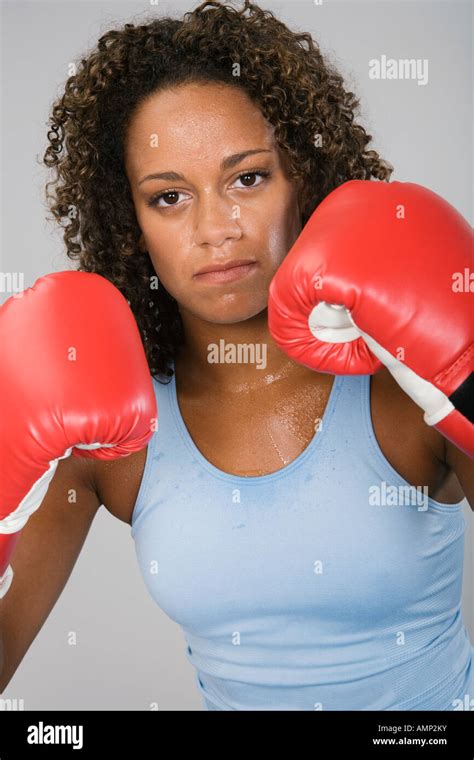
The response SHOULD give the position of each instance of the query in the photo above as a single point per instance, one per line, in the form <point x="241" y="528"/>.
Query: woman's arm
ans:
<point x="47" y="550"/>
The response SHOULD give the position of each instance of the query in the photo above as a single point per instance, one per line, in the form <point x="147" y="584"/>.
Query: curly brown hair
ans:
<point x="282" y="71"/>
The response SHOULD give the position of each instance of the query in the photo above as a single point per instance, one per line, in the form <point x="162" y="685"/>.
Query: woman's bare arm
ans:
<point x="46" y="553"/>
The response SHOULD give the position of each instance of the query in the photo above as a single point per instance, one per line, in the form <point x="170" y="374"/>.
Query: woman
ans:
<point x="205" y="144"/>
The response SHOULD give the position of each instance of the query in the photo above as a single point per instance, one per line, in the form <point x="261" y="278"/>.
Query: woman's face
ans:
<point x="214" y="207"/>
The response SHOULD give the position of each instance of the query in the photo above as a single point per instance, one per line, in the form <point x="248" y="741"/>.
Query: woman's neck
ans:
<point x="233" y="357"/>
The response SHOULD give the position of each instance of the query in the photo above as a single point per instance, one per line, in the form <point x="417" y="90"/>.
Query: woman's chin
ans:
<point x="226" y="313"/>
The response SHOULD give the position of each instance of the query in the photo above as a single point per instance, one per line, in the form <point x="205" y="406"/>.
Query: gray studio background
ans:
<point x="129" y="653"/>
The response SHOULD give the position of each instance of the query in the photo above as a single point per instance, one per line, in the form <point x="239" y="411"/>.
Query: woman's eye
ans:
<point x="246" y="175"/>
<point x="154" y="201"/>
<point x="173" y="195"/>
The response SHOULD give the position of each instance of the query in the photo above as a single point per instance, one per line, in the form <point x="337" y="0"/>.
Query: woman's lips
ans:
<point x="227" y="275"/>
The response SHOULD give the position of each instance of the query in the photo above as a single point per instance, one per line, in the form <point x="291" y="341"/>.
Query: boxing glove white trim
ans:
<point x="330" y="323"/>
<point x="435" y="404"/>
<point x="17" y="519"/>
<point x="91" y="446"/>
<point x="5" y="581"/>
<point x="333" y="323"/>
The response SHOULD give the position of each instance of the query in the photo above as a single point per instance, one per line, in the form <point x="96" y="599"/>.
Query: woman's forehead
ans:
<point x="203" y="107"/>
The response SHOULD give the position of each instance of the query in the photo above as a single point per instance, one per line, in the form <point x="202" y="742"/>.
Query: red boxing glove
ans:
<point x="73" y="379"/>
<point x="380" y="274"/>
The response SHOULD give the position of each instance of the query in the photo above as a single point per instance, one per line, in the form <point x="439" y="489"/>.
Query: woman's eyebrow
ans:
<point x="227" y="163"/>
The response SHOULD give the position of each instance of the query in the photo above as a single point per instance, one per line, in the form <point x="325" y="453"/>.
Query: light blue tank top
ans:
<point x="327" y="585"/>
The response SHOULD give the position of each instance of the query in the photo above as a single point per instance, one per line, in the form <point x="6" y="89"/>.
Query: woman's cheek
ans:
<point x="164" y="246"/>
<point x="168" y="271"/>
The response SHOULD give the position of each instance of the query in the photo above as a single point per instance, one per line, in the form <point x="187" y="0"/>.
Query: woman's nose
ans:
<point x="217" y="220"/>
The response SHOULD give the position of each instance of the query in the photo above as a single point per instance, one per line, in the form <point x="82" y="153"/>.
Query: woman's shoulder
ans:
<point x="396" y="414"/>
<point x="118" y="481"/>
<point x="416" y="450"/>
